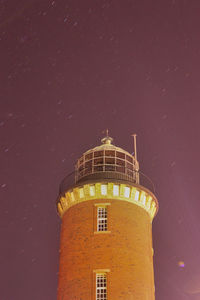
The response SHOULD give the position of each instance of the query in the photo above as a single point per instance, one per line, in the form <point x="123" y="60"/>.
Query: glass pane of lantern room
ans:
<point x="120" y="169"/>
<point x="120" y="162"/>
<point x="120" y="155"/>
<point x="109" y="161"/>
<point x="129" y="158"/>
<point x="98" y="169"/>
<point x="110" y="153"/>
<point x="98" y="153"/>
<point x="109" y="168"/>
<point x="88" y="156"/>
<point x="129" y="166"/>
<point x="98" y="161"/>
<point x="81" y="160"/>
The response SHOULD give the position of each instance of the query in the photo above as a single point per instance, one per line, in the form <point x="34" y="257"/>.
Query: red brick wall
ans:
<point x="126" y="251"/>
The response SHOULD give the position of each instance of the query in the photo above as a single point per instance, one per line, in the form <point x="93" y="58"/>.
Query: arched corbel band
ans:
<point x="135" y="194"/>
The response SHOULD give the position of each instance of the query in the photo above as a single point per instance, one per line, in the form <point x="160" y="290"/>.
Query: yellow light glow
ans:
<point x="92" y="190"/>
<point x="144" y="200"/>
<point x="126" y="192"/>
<point x="109" y="190"/>
<point x="137" y="195"/>
<point x="104" y="189"/>
<point x="148" y="204"/>
<point x="81" y="193"/>
<point x="115" y="190"/>
<point x="72" y="196"/>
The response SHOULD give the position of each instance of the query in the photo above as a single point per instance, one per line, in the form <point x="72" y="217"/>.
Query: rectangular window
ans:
<point x="101" y="287"/>
<point x="102" y="218"/>
<point x="137" y="195"/>
<point x="126" y="192"/>
<point x="104" y="189"/>
<point x="115" y="190"/>
<point x="92" y="190"/>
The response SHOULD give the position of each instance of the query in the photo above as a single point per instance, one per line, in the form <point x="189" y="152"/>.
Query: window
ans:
<point x="81" y="191"/>
<point x="101" y="225"/>
<point x="126" y="191"/>
<point x="115" y="190"/>
<point x="92" y="190"/>
<point x="137" y="195"/>
<point x="88" y="156"/>
<point x="102" y="218"/>
<point x="101" y="287"/>
<point x="104" y="189"/>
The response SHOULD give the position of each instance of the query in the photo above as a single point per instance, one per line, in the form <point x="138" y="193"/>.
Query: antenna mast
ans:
<point x="135" y="145"/>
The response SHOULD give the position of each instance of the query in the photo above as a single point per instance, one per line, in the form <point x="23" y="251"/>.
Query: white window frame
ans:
<point x="102" y="218"/>
<point x="101" y="286"/>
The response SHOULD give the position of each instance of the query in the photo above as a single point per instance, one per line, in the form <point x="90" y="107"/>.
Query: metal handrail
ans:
<point x="143" y="179"/>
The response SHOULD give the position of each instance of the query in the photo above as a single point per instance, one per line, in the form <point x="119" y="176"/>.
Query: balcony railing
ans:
<point x="136" y="177"/>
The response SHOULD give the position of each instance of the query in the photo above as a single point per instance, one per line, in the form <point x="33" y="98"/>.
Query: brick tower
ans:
<point x="106" y="237"/>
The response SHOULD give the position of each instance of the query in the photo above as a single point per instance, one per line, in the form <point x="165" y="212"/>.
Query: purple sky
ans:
<point x="68" y="71"/>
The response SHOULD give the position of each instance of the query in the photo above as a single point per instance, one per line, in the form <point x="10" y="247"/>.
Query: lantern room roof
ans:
<point x="107" y="145"/>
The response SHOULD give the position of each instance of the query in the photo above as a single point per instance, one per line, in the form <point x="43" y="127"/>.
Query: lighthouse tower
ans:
<point x="106" y="237"/>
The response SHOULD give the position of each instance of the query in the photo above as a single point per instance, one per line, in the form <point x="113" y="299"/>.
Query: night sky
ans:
<point x="68" y="71"/>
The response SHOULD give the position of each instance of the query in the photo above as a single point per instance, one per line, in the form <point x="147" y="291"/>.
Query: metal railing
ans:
<point x="137" y="177"/>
